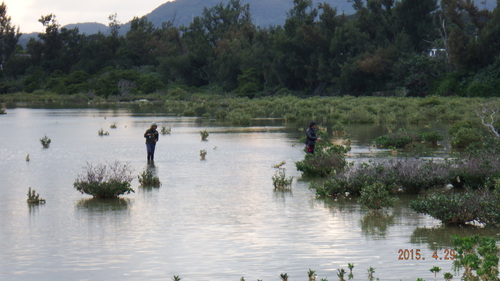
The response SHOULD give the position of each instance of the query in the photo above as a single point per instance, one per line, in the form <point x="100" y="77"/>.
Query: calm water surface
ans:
<point x="218" y="219"/>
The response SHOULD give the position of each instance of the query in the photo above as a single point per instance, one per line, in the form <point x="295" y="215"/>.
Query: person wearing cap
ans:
<point x="311" y="137"/>
<point x="152" y="137"/>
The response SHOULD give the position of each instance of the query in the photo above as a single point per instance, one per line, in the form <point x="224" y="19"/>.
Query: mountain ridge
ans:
<point x="264" y="13"/>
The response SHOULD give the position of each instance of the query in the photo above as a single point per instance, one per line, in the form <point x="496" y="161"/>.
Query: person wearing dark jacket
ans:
<point x="152" y="137"/>
<point x="311" y="137"/>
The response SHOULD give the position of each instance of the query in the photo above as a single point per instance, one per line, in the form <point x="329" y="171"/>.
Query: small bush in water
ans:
<point x="460" y="208"/>
<point x="204" y="135"/>
<point x="105" y="180"/>
<point x="431" y="137"/>
<point x="323" y="162"/>
<point x="45" y="141"/>
<point x="101" y="132"/>
<point x="376" y="196"/>
<point x="398" y="139"/>
<point x="203" y="154"/>
<point x="34" y="197"/>
<point x="165" y="130"/>
<point x="280" y="181"/>
<point x="148" y="179"/>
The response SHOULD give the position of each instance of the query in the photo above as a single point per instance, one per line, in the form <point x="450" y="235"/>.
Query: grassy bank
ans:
<point x="388" y="111"/>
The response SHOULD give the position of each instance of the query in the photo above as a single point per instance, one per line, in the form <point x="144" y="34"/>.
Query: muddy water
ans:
<point x="217" y="219"/>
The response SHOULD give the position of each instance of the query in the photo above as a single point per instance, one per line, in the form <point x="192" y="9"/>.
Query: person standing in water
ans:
<point x="152" y="137"/>
<point x="311" y="137"/>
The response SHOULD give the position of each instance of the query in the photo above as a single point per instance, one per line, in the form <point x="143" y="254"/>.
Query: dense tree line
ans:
<point x="384" y="48"/>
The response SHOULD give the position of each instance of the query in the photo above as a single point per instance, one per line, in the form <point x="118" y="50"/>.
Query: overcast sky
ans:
<point x="26" y="13"/>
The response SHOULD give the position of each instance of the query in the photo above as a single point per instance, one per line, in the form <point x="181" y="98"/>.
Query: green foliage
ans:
<point x="148" y="179"/>
<point x="435" y="270"/>
<point x="398" y="139"/>
<point x="465" y="133"/>
<point x="325" y="161"/>
<point x="165" y="130"/>
<point x="203" y="154"/>
<point x="284" y="276"/>
<point x="34" y="197"/>
<point x="478" y="256"/>
<point x="105" y="180"/>
<point x="448" y="276"/>
<point x="101" y="132"/>
<point x="239" y="117"/>
<point x="281" y="181"/>
<point x="311" y="274"/>
<point x="431" y="137"/>
<point x="376" y="196"/>
<point x="460" y="208"/>
<point x="45" y="141"/>
<point x="204" y="135"/>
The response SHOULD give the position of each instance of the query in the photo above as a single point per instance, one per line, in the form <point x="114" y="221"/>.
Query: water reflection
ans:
<point x="98" y="205"/>
<point x="440" y="237"/>
<point x="375" y="224"/>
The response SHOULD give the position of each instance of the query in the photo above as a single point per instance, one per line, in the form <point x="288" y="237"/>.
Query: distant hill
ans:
<point x="88" y="27"/>
<point x="265" y="13"/>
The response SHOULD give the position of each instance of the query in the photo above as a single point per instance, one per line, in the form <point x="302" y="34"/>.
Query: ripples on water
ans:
<point x="217" y="219"/>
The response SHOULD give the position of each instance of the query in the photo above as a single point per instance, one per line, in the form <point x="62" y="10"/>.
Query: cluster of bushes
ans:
<point x="480" y="206"/>
<point x="462" y="189"/>
<point x="401" y="138"/>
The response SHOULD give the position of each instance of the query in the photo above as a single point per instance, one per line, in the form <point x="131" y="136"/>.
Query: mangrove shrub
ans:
<point x="105" y="180"/>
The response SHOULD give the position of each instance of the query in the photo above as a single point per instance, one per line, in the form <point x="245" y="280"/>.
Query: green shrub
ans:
<point x="148" y="179"/>
<point x="239" y="117"/>
<point x="407" y="175"/>
<point x="203" y="154"/>
<point x="105" y="180"/>
<point x="101" y="132"/>
<point x="204" y="135"/>
<point x="478" y="256"/>
<point x="376" y="196"/>
<point x="34" y="197"/>
<point x="165" y="130"/>
<point x="45" y="141"/>
<point x="280" y="180"/>
<point x="399" y="139"/>
<point x="460" y="208"/>
<point x="323" y="162"/>
<point x="431" y="137"/>
<point x="465" y="133"/>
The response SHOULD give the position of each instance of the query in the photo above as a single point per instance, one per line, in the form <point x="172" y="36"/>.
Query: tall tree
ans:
<point x="9" y="35"/>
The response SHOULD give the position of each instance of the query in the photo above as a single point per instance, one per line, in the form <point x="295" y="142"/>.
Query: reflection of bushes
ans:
<point x="105" y="180"/>
<point x="375" y="224"/>
<point x="102" y="205"/>
<point x="440" y="237"/>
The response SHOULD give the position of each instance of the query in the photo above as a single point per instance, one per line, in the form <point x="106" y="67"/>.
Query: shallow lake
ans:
<point x="218" y="219"/>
